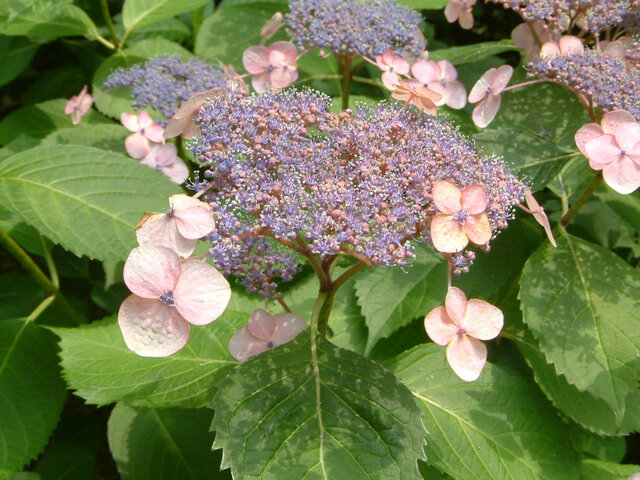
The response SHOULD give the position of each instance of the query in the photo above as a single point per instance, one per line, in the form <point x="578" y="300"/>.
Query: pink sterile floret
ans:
<point x="567" y="45"/>
<point x="263" y="332"/>
<point x="274" y="65"/>
<point x="524" y="38"/>
<point x="540" y="216"/>
<point x="145" y="130"/>
<point x="460" y="325"/>
<point x="272" y="26"/>
<point x="487" y="91"/>
<point x="78" y="105"/>
<point x="441" y="77"/>
<point x="393" y="66"/>
<point x="167" y="297"/>
<point x="462" y="217"/>
<point x="179" y="229"/>
<point x="460" y="10"/>
<point x="165" y="158"/>
<point x="422" y="97"/>
<point x="182" y="122"/>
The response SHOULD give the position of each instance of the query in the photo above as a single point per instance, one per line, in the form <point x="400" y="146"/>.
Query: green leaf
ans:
<point x="469" y="53"/>
<point x="229" y="31"/>
<point x="580" y="301"/>
<point x="391" y="298"/>
<point x="138" y="13"/>
<point x="157" y="46"/>
<point x="592" y="469"/>
<point x="66" y="461"/>
<point x="424" y="4"/>
<point x="158" y="444"/>
<point x="32" y="392"/>
<point x="15" y="55"/>
<point x="41" y="119"/>
<point x="50" y="22"/>
<point x="612" y="449"/>
<point x="85" y="199"/>
<point x="99" y="366"/>
<point x="499" y="426"/>
<point x="105" y="137"/>
<point x="168" y="29"/>
<point x="308" y="411"/>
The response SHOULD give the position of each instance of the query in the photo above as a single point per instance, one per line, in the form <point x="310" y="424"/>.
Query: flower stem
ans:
<point x="577" y="205"/>
<point x="322" y="310"/>
<point x="107" y="18"/>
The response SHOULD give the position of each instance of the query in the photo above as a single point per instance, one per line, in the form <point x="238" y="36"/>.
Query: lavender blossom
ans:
<point x="355" y="28"/>
<point x="164" y="83"/>
<point x="283" y="170"/>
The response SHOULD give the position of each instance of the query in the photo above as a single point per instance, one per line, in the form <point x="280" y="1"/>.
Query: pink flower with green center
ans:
<point x="462" y="217"/>
<point x="460" y="10"/>
<point x="460" y="325"/>
<point x="275" y="65"/>
<point x="487" y="91"/>
<point x="145" y="130"/>
<point x="79" y="105"/>
<point x="393" y="66"/>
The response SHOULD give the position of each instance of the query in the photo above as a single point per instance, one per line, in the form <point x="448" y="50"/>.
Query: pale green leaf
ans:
<point x="470" y="53"/>
<point x="298" y="412"/>
<point x="104" y="136"/>
<point x="87" y="200"/>
<point x="612" y="449"/>
<point x="498" y="426"/>
<point x="138" y="13"/>
<point x="592" y="469"/>
<point x="15" y="55"/>
<point x="424" y="4"/>
<point x="51" y="21"/>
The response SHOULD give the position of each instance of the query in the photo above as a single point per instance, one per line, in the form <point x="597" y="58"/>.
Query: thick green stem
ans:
<point x="107" y="18"/>
<point x="577" y="205"/>
<point x="322" y="310"/>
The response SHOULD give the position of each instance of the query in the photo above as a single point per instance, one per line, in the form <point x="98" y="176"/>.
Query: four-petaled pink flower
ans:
<point x="567" y="45"/>
<point x="460" y="325"/>
<point x="167" y="296"/>
<point x="274" y="65"/>
<point x="138" y="144"/>
<point x="183" y="121"/>
<point x="422" y="97"/>
<point x="393" y="66"/>
<point x="441" y="77"/>
<point x="487" y="91"/>
<point x="263" y="332"/>
<point x="165" y="158"/>
<point x="460" y="10"/>
<point x="78" y="105"/>
<point x="523" y="37"/>
<point x="462" y="217"/>
<point x="179" y="229"/>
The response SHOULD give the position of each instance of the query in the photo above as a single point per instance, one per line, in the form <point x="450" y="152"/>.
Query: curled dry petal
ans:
<point x="540" y="216"/>
<point x="182" y="122"/>
<point x="270" y="28"/>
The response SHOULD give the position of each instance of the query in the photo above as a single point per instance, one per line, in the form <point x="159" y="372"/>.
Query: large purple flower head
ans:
<point x="282" y="170"/>
<point x="164" y="83"/>
<point x="355" y="28"/>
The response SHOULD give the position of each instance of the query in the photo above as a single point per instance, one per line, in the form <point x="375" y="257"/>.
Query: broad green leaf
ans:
<point x="229" y="31"/>
<point x="101" y="369"/>
<point x="391" y="297"/>
<point x="573" y="179"/>
<point x="16" y="54"/>
<point x="138" y="13"/>
<point x="40" y="120"/>
<point x="159" y="444"/>
<point x="470" y="53"/>
<point x="168" y="29"/>
<point x="62" y="81"/>
<point x="67" y="461"/>
<point x="87" y="200"/>
<point x="592" y="469"/>
<point x="105" y="137"/>
<point x="50" y="22"/>
<point x="626" y="206"/>
<point x="499" y="426"/>
<point x="424" y="4"/>
<point x="580" y="301"/>
<point x="233" y="3"/>
<point x="19" y="295"/>
<point x="31" y="392"/>
<point x="304" y="411"/>
<point x="612" y="449"/>
<point x="157" y="46"/>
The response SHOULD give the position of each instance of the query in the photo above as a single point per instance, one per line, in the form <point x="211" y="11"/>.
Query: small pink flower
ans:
<point x="609" y="122"/>
<point x="460" y="10"/>
<point x="183" y="121"/>
<point x="145" y="130"/>
<point x="422" y="97"/>
<point x="275" y="65"/>
<point x="272" y="26"/>
<point x="393" y="66"/>
<point x="462" y="217"/>
<point x="167" y="297"/>
<point x="567" y="45"/>
<point x="187" y="220"/>
<point x="263" y="332"/>
<point x="78" y="105"/>
<point x="487" y="91"/>
<point x="165" y="158"/>
<point x="460" y="325"/>
<point x="441" y="77"/>
<point x="540" y="216"/>
<point x="524" y="38"/>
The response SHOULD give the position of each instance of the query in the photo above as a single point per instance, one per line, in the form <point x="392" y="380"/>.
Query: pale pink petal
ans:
<point x="482" y="87"/>
<point x="288" y="326"/>
<point x="161" y="155"/>
<point x="623" y="176"/>
<point x="151" y="270"/>
<point x="456" y="304"/>
<point x="191" y="129"/>
<point x="261" y="324"/>
<point x="243" y="345"/>
<point x="390" y="79"/>
<point x="154" y="132"/>
<point x="447" y="71"/>
<point x="615" y="49"/>
<point x="486" y="111"/>
<point x="602" y="151"/>
<point x="425" y="71"/>
<point x="627" y="135"/>
<point x="201" y="293"/>
<point x="283" y="77"/>
<point x="447" y="197"/>
<point x="70" y="107"/>
<point x="387" y="57"/>
<point x="586" y="134"/>
<point x="382" y="64"/>
<point x="482" y="320"/>
<point x="447" y="235"/>
<point x="540" y="216"/>
<point x="178" y="172"/>
<point x="467" y="357"/>
<point x="455" y="95"/>
<point x="439" y="326"/>
<point x="550" y="49"/>
<point x="522" y="36"/>
<point x="260" y="81"/>
<point x="272" y="26"/>
<point x="161" y="229"/>
<point x="478" y="229"/>
<point x="400" y="65"/>
<point x="452" y="11"/>
<point x="137" y="145"/>
<point x="570" y="45"/>
<point x="144" y="119"/>
<point x="474" y="199"/>
<point x="151" y="328"/>
<point x="466" y="19"/>
<point x="193" y="217"/>
<point x="130" y="121"/>
<point x="440" y="89"/>
<point x="501" y="78"/>
<point x="612" y="119"/>
<point x="256" y="59"/>
<point x="176" y="126"/>
<point x="282" y="53"/>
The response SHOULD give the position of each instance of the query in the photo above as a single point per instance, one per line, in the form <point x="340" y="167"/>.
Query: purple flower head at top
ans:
<point x="165" y="83"/>
<point x="355" y="28"/>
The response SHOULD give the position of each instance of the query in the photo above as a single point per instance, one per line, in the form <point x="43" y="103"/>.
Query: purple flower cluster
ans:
<point x="283" y="170"/>
<point x="355" y="28"/>
<point x="164" y="83"/>
<point x="604" y="79"/>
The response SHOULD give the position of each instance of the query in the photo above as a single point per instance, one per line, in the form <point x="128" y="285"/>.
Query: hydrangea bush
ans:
<point x="322" y="239"/>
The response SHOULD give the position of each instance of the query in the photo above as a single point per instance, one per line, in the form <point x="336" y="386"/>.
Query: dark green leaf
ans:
<point x="592" y="469"/>
<point x="15" y="55"/>
<point x="468" y="53"/>
<point x="138" y="13"/>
